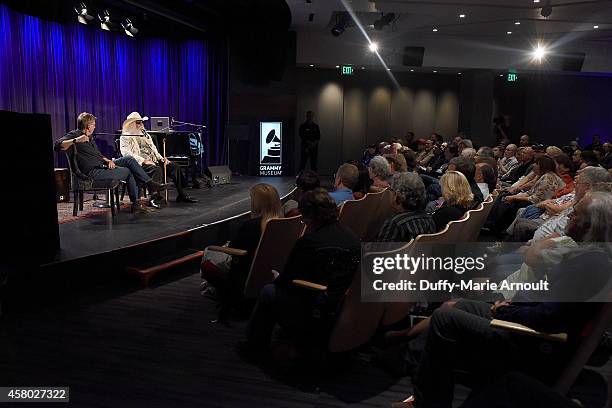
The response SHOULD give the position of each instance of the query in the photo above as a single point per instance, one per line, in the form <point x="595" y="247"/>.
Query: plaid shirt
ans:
<point x="405" y="226"/>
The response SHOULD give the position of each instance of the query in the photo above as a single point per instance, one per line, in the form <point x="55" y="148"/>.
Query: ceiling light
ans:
<point x="128" y="27"/>
<point x="388" y="69"/>
<point x="461" y="15"/>
<point x="501" y="75"/>
<point x="517" y="23"/>
<point x="386" y="19"/>
<point x="595" y="26"/>
<point x="536" y="1"/>
<point x="539" y="52"/>
<point x="435" y="30"/>
<point x="508" y="32"/>
<point x="373" y="47"/>
<point x="337" y="66"/>
<point x="104" y="18"/>
<point x="311" y="65"/>
<point x="362" y="67"/>
<point x="412" y="70"/>
<point x="342" y="21"/>
<point x="83" y="15"/>
<point x="458" y="73"/>
<point x="435" y="72"/>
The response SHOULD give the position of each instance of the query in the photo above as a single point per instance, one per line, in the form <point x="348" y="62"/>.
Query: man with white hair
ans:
<point x="468" y="153"/>
<point x="509" y="161"/>
<point x="137" y="144"/>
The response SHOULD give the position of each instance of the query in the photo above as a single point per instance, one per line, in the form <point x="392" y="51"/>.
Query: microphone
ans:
<point x="144" y="132"/>
<point x="171" y="122"/>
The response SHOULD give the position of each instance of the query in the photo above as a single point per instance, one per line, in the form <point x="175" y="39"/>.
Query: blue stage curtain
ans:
<point x="63" y="70"/>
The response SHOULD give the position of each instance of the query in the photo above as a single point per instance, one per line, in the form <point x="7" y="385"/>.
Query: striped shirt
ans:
<point x="405" y="226"/>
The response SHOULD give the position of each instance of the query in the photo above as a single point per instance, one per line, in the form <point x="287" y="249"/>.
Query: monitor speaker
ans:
<point x="220" y="174"/>
<point x="572" y="61"/>
<point x="413" y="56"/>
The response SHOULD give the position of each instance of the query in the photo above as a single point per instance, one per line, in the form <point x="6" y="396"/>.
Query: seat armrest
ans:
<point x="528" y="331"/>
<point x="309" y="285"/>
<point x="227" y="250"/>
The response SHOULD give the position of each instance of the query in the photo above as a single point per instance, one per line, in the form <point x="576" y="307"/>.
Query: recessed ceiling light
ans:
<point x="373" y="47"/>
<point x="362" y="67"/>
<point x="412" y="70"/>
<point x="435" y="71"/>
<point x="337" y="66"/>
<point x="435" y="30"/>
<point x="508" y="32"/>
<point x="461" y="15"/>
<point x="458" y="73"/>
<point x="388" y="69"/>
<point x="311" y="65"/>
<point x="501" y="75"/>
<point x="595" y="26"/>
<point x="536" y="1"/>
<point x="517" y="23"/>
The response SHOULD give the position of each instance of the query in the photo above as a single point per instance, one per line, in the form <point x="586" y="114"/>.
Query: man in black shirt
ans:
<point x="310" y="135"/>
<point x="93" y="164"/>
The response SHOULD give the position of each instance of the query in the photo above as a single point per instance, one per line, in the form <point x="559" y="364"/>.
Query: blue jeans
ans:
<point x="127" y="170"/>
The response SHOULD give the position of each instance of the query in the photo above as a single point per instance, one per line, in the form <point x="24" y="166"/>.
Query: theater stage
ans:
<point x="102" y="234"/>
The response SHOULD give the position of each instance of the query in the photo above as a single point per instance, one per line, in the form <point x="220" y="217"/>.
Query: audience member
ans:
<point x="305" y="181"/>
<point x="468" y="153"/>
<point x="457" y="196"/>
<point x="485" y="178"/>
<point x="397" y="162"/>
<point x="588" y="158"/>
<point x="345" y="180"/>
<point x="524" y="141"/>
<point x="363" y="182"/>
<point x="380" y="172"/>
<point x="228" y="275"/>
<point x="291" y="307"/>
<point x="468" y="168"/>
<point x="508" y="161"/>
<point x="408" y="202"/>
<point x="485" y="151"/>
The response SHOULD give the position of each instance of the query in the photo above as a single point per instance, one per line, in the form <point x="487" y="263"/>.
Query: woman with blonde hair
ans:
<point x="226" y="274"/>
<point x="458" y="197"/>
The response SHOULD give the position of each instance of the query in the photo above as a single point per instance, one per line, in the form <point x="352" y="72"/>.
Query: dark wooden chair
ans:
<point x="82" y="183"/>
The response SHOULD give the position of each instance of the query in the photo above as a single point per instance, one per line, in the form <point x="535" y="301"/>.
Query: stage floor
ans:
<point x="101" y="233"/>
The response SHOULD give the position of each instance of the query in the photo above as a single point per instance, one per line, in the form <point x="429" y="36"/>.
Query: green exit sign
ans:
<point x="512" y="77"/>
<point x="347" y="70"/>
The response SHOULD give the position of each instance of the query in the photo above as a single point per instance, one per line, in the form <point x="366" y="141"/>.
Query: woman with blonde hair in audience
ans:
<point x="228" y="274"/>
<point x="380" y="172"/>
<point x="458" y="197"/>
<point x="553" y="151"/>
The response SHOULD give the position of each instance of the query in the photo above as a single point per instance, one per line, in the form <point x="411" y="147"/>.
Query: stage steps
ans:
<point x="147" y="271"/>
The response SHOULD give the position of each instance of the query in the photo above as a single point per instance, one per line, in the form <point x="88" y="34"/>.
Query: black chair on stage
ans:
<point x="82" y="183"/>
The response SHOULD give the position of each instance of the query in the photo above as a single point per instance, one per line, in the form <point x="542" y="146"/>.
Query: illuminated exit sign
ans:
<point x="347" y="70"/>
<point x="512" y="77"/>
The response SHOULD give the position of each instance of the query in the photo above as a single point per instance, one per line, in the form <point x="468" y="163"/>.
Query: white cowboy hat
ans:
<point x="133" y="117"/>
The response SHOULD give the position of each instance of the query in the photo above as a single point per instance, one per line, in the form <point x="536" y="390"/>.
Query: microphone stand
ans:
<point x="176" y="123"/>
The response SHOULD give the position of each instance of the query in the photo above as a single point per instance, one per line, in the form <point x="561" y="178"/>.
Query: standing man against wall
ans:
<point x="310" y="135"/>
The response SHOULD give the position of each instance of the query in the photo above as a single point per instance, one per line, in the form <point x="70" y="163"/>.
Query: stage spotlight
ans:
<point x="539" y="52"/>
<point x="83" y="15"/>
<point x="373" y="47"/>
<point x="128" y="27"/>
<point x="341" y="23"/>
<point x="383" y="21"/>
<point x="104" y="18"/>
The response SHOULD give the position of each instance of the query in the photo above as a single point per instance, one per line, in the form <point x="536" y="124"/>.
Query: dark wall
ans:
<point x="256" y="98"/>
<point x="555" y="108"/>
<point x="368" y="107"/>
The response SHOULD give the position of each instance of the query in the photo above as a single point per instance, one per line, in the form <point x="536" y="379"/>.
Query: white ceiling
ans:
<point x="476" y="41"/>
<point x="484" y="18"/>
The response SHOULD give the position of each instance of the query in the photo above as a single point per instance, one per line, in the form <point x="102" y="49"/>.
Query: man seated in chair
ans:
<point x="137" y="144"/>
<point x="284" y="303"/>
<point x="94" y="165"/>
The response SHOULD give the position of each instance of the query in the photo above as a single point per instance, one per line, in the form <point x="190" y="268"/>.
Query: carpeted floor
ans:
<point x="64" y="210"/>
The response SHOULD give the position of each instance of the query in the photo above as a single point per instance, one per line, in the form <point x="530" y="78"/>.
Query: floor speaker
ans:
<point x="62" y="185"/>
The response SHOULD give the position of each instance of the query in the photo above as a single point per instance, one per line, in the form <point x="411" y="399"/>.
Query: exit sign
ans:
<point x="347" y="70"/>
<point x="512" y="77"/>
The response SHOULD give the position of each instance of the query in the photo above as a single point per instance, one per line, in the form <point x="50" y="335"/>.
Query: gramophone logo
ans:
<point x="270" y="152"/>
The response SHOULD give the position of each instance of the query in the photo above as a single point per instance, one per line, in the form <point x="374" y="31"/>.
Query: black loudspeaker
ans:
<point x="572" y="61"/>
<point x="30" y="219"/>
<point x="413" y="56"/>
<point x="62" y="185"/>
